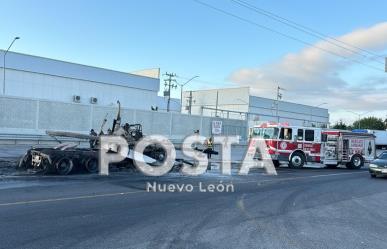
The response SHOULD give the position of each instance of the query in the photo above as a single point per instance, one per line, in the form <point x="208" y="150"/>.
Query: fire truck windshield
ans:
<point x="270" y="133"/>
<point x="257" y="132"/>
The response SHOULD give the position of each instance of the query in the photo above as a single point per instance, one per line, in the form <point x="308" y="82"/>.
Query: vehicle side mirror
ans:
<point x="324" y="138"/>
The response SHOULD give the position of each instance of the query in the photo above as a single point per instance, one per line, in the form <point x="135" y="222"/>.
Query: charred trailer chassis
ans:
<point x="62" y="162"/>
<point x="66" y="158"/>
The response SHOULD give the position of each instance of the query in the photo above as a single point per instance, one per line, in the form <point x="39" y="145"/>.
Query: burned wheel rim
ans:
<point x="45" y="166"/>
<point x="91" y="165"/>
<point x="160" y="156"/>
<point x="64" y="166"/>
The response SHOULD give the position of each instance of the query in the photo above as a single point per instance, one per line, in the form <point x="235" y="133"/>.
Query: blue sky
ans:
<point x="181" y="36"/>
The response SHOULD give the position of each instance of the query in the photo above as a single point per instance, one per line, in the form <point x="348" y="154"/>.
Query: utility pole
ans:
<point x="190" y="103"/>
<point x="169" y="83"/>
<point x="217" y="103"/>
<point x="279" y="97"/>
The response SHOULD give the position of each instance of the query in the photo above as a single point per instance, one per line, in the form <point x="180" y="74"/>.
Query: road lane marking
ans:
<point x="71" y="198"/>
<point x="303" y="177"/>
<point x="144" y="191"/>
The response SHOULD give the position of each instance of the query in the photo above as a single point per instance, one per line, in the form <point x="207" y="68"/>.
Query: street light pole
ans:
<point x="311" y="111"/>
<point x="359" y="116"/>
<point x="181" y="90"/>
<point x="5" y="53"/>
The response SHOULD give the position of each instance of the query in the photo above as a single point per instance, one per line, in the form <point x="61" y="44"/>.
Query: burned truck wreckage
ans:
<point x="67" y="157"/>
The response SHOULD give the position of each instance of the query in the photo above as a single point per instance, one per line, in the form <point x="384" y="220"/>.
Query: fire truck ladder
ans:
<point x="345" y="150"/>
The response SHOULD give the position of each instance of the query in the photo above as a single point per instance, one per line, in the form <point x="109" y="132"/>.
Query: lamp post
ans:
<point x="321" y="104"/>
<point x="181" y="89"/>
<point x="14" y="39"/>
<point x="311" y="111"/>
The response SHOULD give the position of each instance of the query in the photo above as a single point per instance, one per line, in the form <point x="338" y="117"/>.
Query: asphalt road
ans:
<point x="309" y="208"/>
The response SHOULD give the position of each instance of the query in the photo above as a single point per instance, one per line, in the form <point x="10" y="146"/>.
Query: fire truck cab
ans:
<point x="295" y="144"/>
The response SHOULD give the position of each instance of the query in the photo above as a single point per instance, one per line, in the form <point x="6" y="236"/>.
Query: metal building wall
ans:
<point x="237" y="103"/>
<point x="48" y="87"/>
<point x="47" y="66"/>
<point x="235" y="99"/>
<point x="264" y="109"/>
<point x="36" y="77"/>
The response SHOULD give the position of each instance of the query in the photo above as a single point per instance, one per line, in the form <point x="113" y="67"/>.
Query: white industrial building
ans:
<point x="48" y="79"/>
<point x="238" y="103"/>
<point x="40" y="94"/>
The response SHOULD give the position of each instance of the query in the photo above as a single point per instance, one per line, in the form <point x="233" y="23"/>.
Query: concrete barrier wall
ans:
<point x="26" y="117"/>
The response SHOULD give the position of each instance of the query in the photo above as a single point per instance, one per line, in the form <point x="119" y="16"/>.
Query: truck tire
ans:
<point x="297" y="160"/>
<point x="45" y="167"/>
<point x="25" y="162"/>
<point x="356" y="162"/>
<point x="276" y="163"/>
<point x="91" y="165"/>
<point x="64" y="166"/>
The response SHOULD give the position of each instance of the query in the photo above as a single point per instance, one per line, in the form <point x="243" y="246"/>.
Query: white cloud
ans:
<point x="312" y="76"/>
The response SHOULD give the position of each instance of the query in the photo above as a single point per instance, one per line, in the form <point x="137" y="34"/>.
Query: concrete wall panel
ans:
<point x="17" y="113"/>
<point x="64" y="116"/>
<point x="34" y="117"/>
<point x="185" y="125"/>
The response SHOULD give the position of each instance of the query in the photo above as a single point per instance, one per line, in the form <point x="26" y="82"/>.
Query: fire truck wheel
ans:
<point x="276" y="163"/>
<point x="91" y="165"/>
<point x="64" y="166"/>
<point x="357" y="162"/>
<point x="297" y="160"/>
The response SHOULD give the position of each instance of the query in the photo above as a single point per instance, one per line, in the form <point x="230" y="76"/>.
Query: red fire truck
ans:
<point x="298" y="145"/>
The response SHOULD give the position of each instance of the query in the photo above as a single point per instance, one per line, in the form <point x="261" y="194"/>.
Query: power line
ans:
<point x="284" y="35"/>
<point x="221" y="82"/>
<point x="307" y="30"/>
